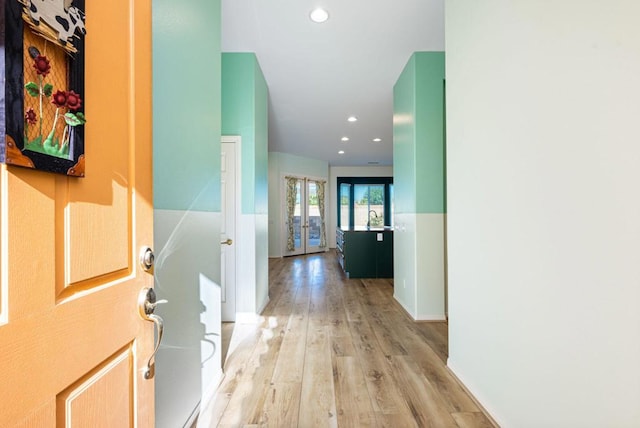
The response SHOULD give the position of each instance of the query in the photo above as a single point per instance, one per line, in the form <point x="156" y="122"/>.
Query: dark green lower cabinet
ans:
<point x="365" y="253"/>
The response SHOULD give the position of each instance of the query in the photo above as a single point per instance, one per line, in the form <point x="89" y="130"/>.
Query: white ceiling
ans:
<point x="319" y="74"/>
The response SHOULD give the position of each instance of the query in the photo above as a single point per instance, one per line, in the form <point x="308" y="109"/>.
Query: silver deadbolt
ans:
<point x="147" y="258"/>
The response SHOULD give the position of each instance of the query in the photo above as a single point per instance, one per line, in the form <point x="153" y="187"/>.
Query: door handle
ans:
<point x="229" y="241"/>
<point x="147" y="305"/>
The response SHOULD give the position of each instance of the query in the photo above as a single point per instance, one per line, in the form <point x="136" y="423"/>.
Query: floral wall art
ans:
<point x="44" y="104"/>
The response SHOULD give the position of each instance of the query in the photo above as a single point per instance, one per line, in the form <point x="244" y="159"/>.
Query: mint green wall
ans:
<point x="430" y="174"/>
<point x="262" y="139"/>
<point x="404" y="166"/>
<point x="186" y="106"/>
<point x="245" y="113"/>
<point x="418" y="135"/>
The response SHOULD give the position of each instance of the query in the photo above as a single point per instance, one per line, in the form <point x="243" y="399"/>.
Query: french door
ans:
<point x="304" y="222"/>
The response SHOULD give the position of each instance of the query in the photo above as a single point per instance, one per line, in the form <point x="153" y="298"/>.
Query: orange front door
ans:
<point x="72" y="344"/>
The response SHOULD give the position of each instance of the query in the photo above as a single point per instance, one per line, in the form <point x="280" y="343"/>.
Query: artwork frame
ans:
<point x="42" y="105"/>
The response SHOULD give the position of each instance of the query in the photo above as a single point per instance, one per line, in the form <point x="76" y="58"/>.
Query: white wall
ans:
<point x="543" y="107"/>
<point x="332" y="194"/>
<point x="281" y="164"/>
<point x="188" y="363"/>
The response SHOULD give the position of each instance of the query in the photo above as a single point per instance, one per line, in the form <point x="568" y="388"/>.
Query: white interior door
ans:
<point x="228" y="238"/>
<point x="305" y="224"/>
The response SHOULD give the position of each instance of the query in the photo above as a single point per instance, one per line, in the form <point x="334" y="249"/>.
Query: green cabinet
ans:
<point x="365" y="253"/>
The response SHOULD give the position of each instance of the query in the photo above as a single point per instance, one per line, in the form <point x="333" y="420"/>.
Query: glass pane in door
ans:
<point x="313" y="216"/>
<point x="297" y="218"/>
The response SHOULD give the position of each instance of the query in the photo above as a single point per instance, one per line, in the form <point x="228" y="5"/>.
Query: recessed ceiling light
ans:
<point x="341" y="152"/>
<point x="377" y="140"/>
<point x="352" y="119"/>
<point x="345" y="138"/>
<point x="319" y="15"/>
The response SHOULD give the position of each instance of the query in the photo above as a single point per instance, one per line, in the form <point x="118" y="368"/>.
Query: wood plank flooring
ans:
<point x="336" y="352"/>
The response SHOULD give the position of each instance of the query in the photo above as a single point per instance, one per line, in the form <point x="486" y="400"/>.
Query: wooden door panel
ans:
<point x="45" y="358"/>
<point x="28" y="276"/>
<point x="40" y="417"/>
<point x="107" y="317"/>
<point x="97" y="235"/>
<point x="4" y="284"/>
<point x="103" y="199"/>
<point x="73" y="344"/>
<point x="83" y="403"/>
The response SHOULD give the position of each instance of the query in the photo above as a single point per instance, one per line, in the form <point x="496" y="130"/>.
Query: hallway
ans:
<point x="330" y="351"/>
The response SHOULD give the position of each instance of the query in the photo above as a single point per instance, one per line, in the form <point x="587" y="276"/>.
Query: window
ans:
<point x="368" y="205"/>
<point x="365" y="201"/>
<point x="345" y="203"/>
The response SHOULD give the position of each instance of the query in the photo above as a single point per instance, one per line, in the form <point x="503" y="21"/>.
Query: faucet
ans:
<point x="369" y="216"/>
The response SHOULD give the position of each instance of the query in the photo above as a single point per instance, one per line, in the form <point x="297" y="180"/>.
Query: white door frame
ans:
<point x="237" y="239"/>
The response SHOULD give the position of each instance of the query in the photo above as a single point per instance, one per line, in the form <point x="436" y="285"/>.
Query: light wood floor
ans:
<point x="337" y="352"/>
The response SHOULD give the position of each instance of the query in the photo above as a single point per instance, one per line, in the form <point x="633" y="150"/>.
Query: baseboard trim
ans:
<point x="192" y="422"/>
<point x="431" y="318"/>
<point x="405" y="310"/>
<point x="477" y="402"/>
<point x="421" y="318"/>
<point x="207" y="399"/>
<point x="247" y="318"/>
<point x="251" y="317"/>
<point x="266" y="302"/>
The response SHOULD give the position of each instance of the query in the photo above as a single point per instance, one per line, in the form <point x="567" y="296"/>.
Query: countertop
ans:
<point x="366" y="229"/>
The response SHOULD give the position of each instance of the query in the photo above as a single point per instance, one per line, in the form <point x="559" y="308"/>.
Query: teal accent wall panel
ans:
<point x="186" y="106"/>
<point x="404" y="165"/>
<point x="245" y="113"/>
<point x="430" y="172"/>
<point x="262" y="140"/>
<point x="238" y="116"/>
<point x="419" y="135"/>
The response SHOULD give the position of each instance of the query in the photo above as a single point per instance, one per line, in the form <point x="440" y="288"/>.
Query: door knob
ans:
<point x="229" y="241"/>
<point x="146" y="306"/>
